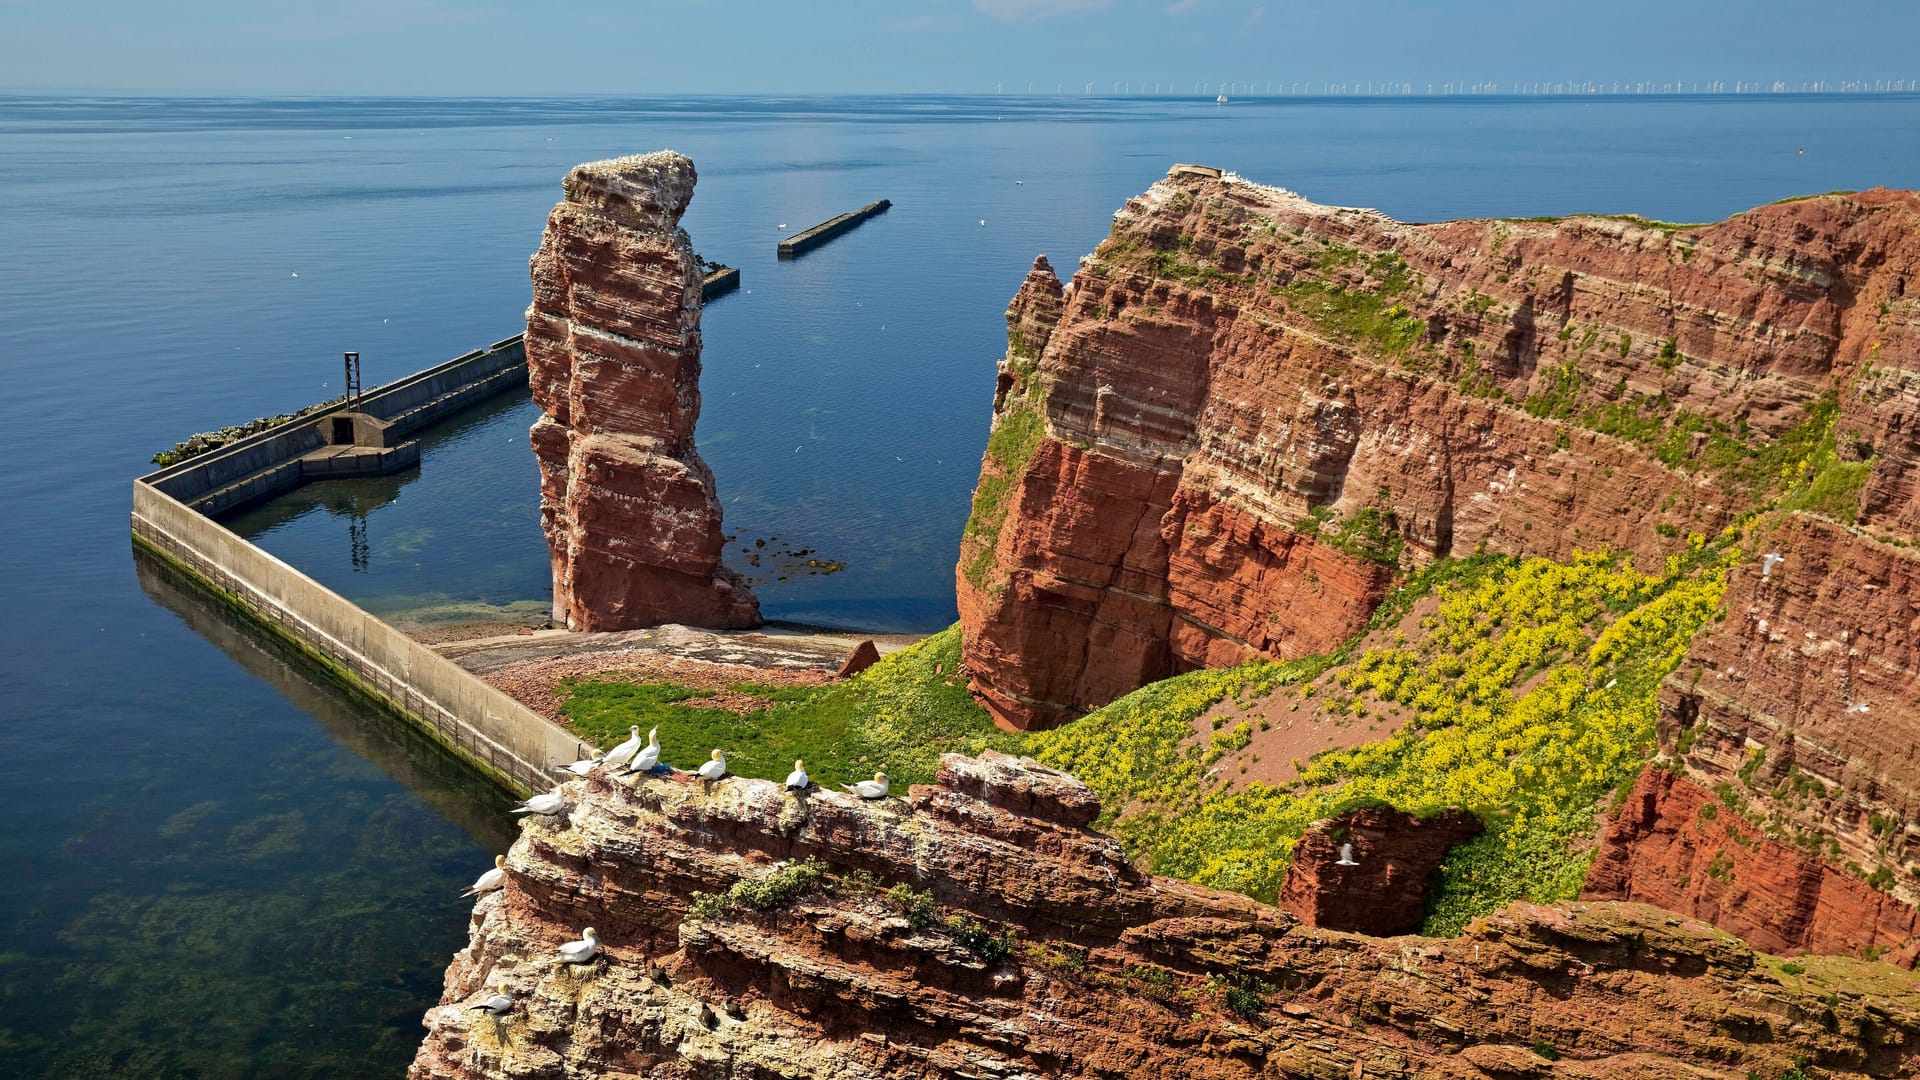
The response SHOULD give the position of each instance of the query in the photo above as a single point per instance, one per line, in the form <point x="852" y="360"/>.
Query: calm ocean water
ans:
<point x="218" y="868"/>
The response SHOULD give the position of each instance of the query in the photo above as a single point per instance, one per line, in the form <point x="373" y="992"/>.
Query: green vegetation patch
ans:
<point x="899" y="716"/>
<point x="1015" y="437"/>
<point x="1531" y="693"/>
<point x="1366" y="312"/>
<point x="1631" y="219"/>
<point x="1821" y="483"/>
<point x="1369" y="533"/>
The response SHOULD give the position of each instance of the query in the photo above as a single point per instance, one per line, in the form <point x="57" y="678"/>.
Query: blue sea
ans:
<point x="219" y="867"/>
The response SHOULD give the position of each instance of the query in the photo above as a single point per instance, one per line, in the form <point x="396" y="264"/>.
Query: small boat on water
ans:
<point x="1221" y="100"/>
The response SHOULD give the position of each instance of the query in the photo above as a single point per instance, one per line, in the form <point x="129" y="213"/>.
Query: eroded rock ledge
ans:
<point x="613" y="347"/>
<point x="1111" y="972"/>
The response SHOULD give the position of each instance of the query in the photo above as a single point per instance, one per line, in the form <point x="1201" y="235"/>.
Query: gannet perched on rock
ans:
<point x="582" y="767"/>
<point x="623" y="753"/>
<point x="875" y="788"/>
<point x="497" y="1005"/>
<point x="491" y="880"/>
<point x="649" y="755"/>
<point x="714" y="769"/>
<point x="797" y="780"/>
<point x="551" y="802"/>
<point x="579" y="952"/>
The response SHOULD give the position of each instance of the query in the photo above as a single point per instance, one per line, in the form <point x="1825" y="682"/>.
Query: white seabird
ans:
<point x="875" y="788"/>
<point x="1346" y="856"/>
<point x="579" y="952"/>
<point x="715" y="768"/>
<point x="797" y="779"/>
<point x="551" y="802"/>
<point x="497" y="1005"/>
<point x="584" y="765"/>
<point x="491" y="880"/>
<point x="623" y="753"/>
<point x="649" y="755"/>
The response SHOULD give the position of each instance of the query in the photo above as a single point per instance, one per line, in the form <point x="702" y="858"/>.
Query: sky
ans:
<point x="651" y="47"/>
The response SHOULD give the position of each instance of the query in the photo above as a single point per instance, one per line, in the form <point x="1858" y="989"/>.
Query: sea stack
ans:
<point x="613" y="350"/>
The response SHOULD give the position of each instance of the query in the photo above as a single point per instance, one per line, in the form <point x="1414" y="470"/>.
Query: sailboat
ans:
<point x="1221" y="100"/>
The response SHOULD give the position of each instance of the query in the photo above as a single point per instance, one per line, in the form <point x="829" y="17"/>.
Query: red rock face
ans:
<point x="613" y="347"/>
<point x="1384" y="893"/>
<point x="1675" y="845"/>
<point x="1111" y="973"/>
<point x="1805" y="699"/>
<point x="1235" y="360"/>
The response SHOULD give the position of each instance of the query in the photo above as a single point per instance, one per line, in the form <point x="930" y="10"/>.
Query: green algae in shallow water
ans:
<point x="291" y="918"/>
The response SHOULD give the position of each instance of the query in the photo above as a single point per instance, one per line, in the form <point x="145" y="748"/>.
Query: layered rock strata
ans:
<point x="1249" y="410"/>
<point x="1796" y="719"/>
<point x="1676" y="845"/>
<point x="613" y="348"/>
<point x="1020" y="944"/>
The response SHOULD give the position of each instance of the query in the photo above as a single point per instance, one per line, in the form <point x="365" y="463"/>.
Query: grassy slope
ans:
<point x="1589" y="640"/>
<point x="899" y="715"/>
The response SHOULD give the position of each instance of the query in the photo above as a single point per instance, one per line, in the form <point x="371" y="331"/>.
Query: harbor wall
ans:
<point x="508" y="742"/>
<point x="268" y="463"/>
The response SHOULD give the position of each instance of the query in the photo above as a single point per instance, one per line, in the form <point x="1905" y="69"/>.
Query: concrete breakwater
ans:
<point x="271" y="462"/>
<point x="720" y="281"/>
<point x="827" y="230"/>
<point x="173" y="519"/>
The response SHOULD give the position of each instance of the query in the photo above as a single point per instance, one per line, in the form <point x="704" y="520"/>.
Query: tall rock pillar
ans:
<point x="613" y="348"/>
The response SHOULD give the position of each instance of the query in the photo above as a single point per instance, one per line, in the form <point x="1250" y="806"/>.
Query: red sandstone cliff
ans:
<point x="1248" y="410"/>
<point x="1802" y="707"/>
<point x="1109" y="972"/>
<point x="613" y="347"/>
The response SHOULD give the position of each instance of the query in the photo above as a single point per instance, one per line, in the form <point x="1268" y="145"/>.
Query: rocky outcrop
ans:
<point x="1249" y="410"/>
<point x="1380" y="887"/>
<point x="976" y="928"/>
<point x="613" y="348"/>
<point x="1675" y="845"/>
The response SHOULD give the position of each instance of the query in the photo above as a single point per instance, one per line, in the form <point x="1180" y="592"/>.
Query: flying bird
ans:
<point x="491" y="880"/>
<point x="875" y="788"/>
